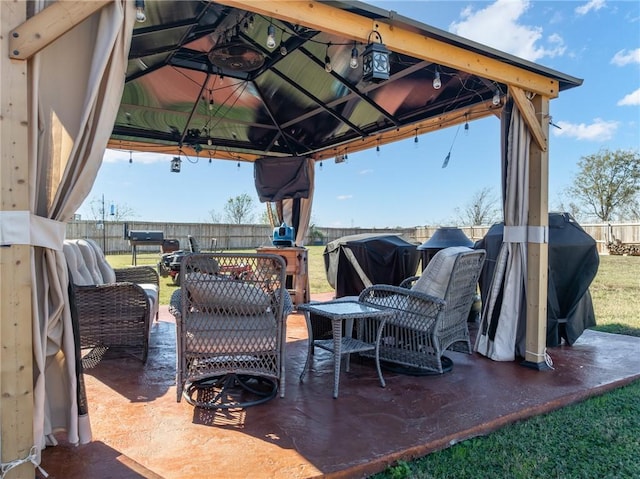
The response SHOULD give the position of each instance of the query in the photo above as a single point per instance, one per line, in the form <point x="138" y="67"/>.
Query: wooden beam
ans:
<point x="324" y="17"/>
<point x="48" y="25"/>
<point x="529" y="115"/>
<point x="446" y="120"/>
<point x="538" y="253"/>
<point x="16" y="348"/>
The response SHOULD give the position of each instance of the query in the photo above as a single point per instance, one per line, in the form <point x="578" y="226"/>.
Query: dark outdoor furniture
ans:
<point x="573" y="264"/>
<point x="114" y="308"/>
<point x="230" y="315"/>
<point x="431" y="312"/>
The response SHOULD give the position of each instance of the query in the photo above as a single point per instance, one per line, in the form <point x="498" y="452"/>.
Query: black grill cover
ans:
<point x="383" y="258"/>
<point x="573" y="263"/>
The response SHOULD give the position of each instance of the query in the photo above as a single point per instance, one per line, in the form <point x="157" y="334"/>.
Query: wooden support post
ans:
<point x="16" y="351"/>
<point x="538" y="252"/>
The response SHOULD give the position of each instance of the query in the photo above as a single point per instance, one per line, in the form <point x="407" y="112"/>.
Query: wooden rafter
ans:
<point x="51" y="23"/>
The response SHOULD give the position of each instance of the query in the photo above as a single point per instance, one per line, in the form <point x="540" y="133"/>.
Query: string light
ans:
<point x="415" y="139"/>
<point x="437" y="83"/>
<point x="353" y="63"/>
<point x="320" y="165"/>
<point x="141" y="17"/>
<point x="271" y="37"/>
<point x="496" y="98"/>
<point x="327" y="60"/>
<point x="130" y="156"/>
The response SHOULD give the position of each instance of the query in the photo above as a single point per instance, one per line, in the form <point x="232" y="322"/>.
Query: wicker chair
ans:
<point x="113" y="308"/>
<point x="432" y="312"/>
<point x="230" y="314"/>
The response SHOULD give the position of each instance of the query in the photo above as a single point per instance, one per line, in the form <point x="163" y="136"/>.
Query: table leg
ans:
<point x="307" y="317"/>
<point x="337" y="354"/>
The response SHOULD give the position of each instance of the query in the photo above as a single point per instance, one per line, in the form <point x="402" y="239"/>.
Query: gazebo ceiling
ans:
<point x="202" y="80"/>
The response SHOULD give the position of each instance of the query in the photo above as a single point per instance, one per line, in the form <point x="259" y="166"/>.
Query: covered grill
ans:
<point x="573" y="264"/>
<point x="443" y="238"/>
<point x="355" y="261"/>
<point x="143" y="238"/>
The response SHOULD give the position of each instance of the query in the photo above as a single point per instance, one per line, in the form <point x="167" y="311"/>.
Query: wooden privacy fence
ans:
<point x="111" y="235"/>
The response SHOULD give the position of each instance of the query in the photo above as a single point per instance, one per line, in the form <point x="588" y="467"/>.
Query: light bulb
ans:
<point x="283" y="50"/>
<point x="209" y="142"/>
<point x="211" y="104"/>
<point x="353" y="63"/>
<point x="140" y="15"/>
<point x="271" y="37"/>
<point x="437" y="83"/>
<point x="327" y="64"/>
<point x="496" y="98"/>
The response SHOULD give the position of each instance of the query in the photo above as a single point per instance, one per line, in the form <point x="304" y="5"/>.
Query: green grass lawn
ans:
<point x="597" y="438"/>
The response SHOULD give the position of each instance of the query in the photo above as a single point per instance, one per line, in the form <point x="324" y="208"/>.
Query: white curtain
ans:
<point x="499" y="333"/>
<point x="76" y="85"/>
<point x="297" y="212"/>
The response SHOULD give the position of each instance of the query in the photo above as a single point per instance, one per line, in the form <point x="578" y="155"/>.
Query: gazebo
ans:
<point x="241" y="80"/>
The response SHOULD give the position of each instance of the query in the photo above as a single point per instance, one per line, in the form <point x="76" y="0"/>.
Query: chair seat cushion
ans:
<point x="208" y="333"/>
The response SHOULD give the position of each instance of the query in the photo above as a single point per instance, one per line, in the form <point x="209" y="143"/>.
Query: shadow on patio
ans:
<point x="141" y="432"/>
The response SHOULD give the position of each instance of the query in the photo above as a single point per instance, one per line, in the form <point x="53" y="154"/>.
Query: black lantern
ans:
<point x="175" y="164"/>
<point x="375" y="61"/>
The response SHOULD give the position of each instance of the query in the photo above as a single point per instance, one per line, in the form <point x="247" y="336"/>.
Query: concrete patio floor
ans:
<point x="140" y="431"/>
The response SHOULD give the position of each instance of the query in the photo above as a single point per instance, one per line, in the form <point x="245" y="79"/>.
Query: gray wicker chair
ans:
<point x="113" y="308"/>
<point x="230" y="314"/>
<point x="432" y="312"/>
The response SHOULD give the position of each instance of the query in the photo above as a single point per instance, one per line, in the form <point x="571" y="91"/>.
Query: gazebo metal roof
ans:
<point x="201" y="80"/>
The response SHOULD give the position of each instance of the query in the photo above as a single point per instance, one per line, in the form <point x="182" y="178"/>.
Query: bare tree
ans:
<point x="607" y="183"/>
<point x="482" y="209"/>
<point x="239" y="210"/>
<point x="110" y="211"/>
<point x="215" y="216"/>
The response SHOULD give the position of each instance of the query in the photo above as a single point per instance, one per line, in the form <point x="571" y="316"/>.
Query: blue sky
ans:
<point x="404" y="184"/>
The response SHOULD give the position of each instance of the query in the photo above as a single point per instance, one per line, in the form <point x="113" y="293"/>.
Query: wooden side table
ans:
<point x="297" y="271"/>
<point x="337" y="312"/>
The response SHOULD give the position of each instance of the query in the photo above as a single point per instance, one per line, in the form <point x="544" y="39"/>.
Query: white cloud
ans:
<point x="594" y="5"/>
<point x="344" y="197"/>
<point x="623" y="57"/>
<point x="116" y="156"/>
<point x="367" y="171"/>
<point x="498" y="26"/>
<point x="632" y="99"/>
<point x="598" y="130"/>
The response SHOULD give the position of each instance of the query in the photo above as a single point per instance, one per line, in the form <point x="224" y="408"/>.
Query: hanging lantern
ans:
<point x="175" y="164"/>
<point x="375" y="61"/>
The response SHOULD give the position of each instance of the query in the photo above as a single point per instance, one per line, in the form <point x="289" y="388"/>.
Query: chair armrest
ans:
<point x="123" y="301"/>
<point x="138" y="274"/>
<point x="414" y="309"/>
